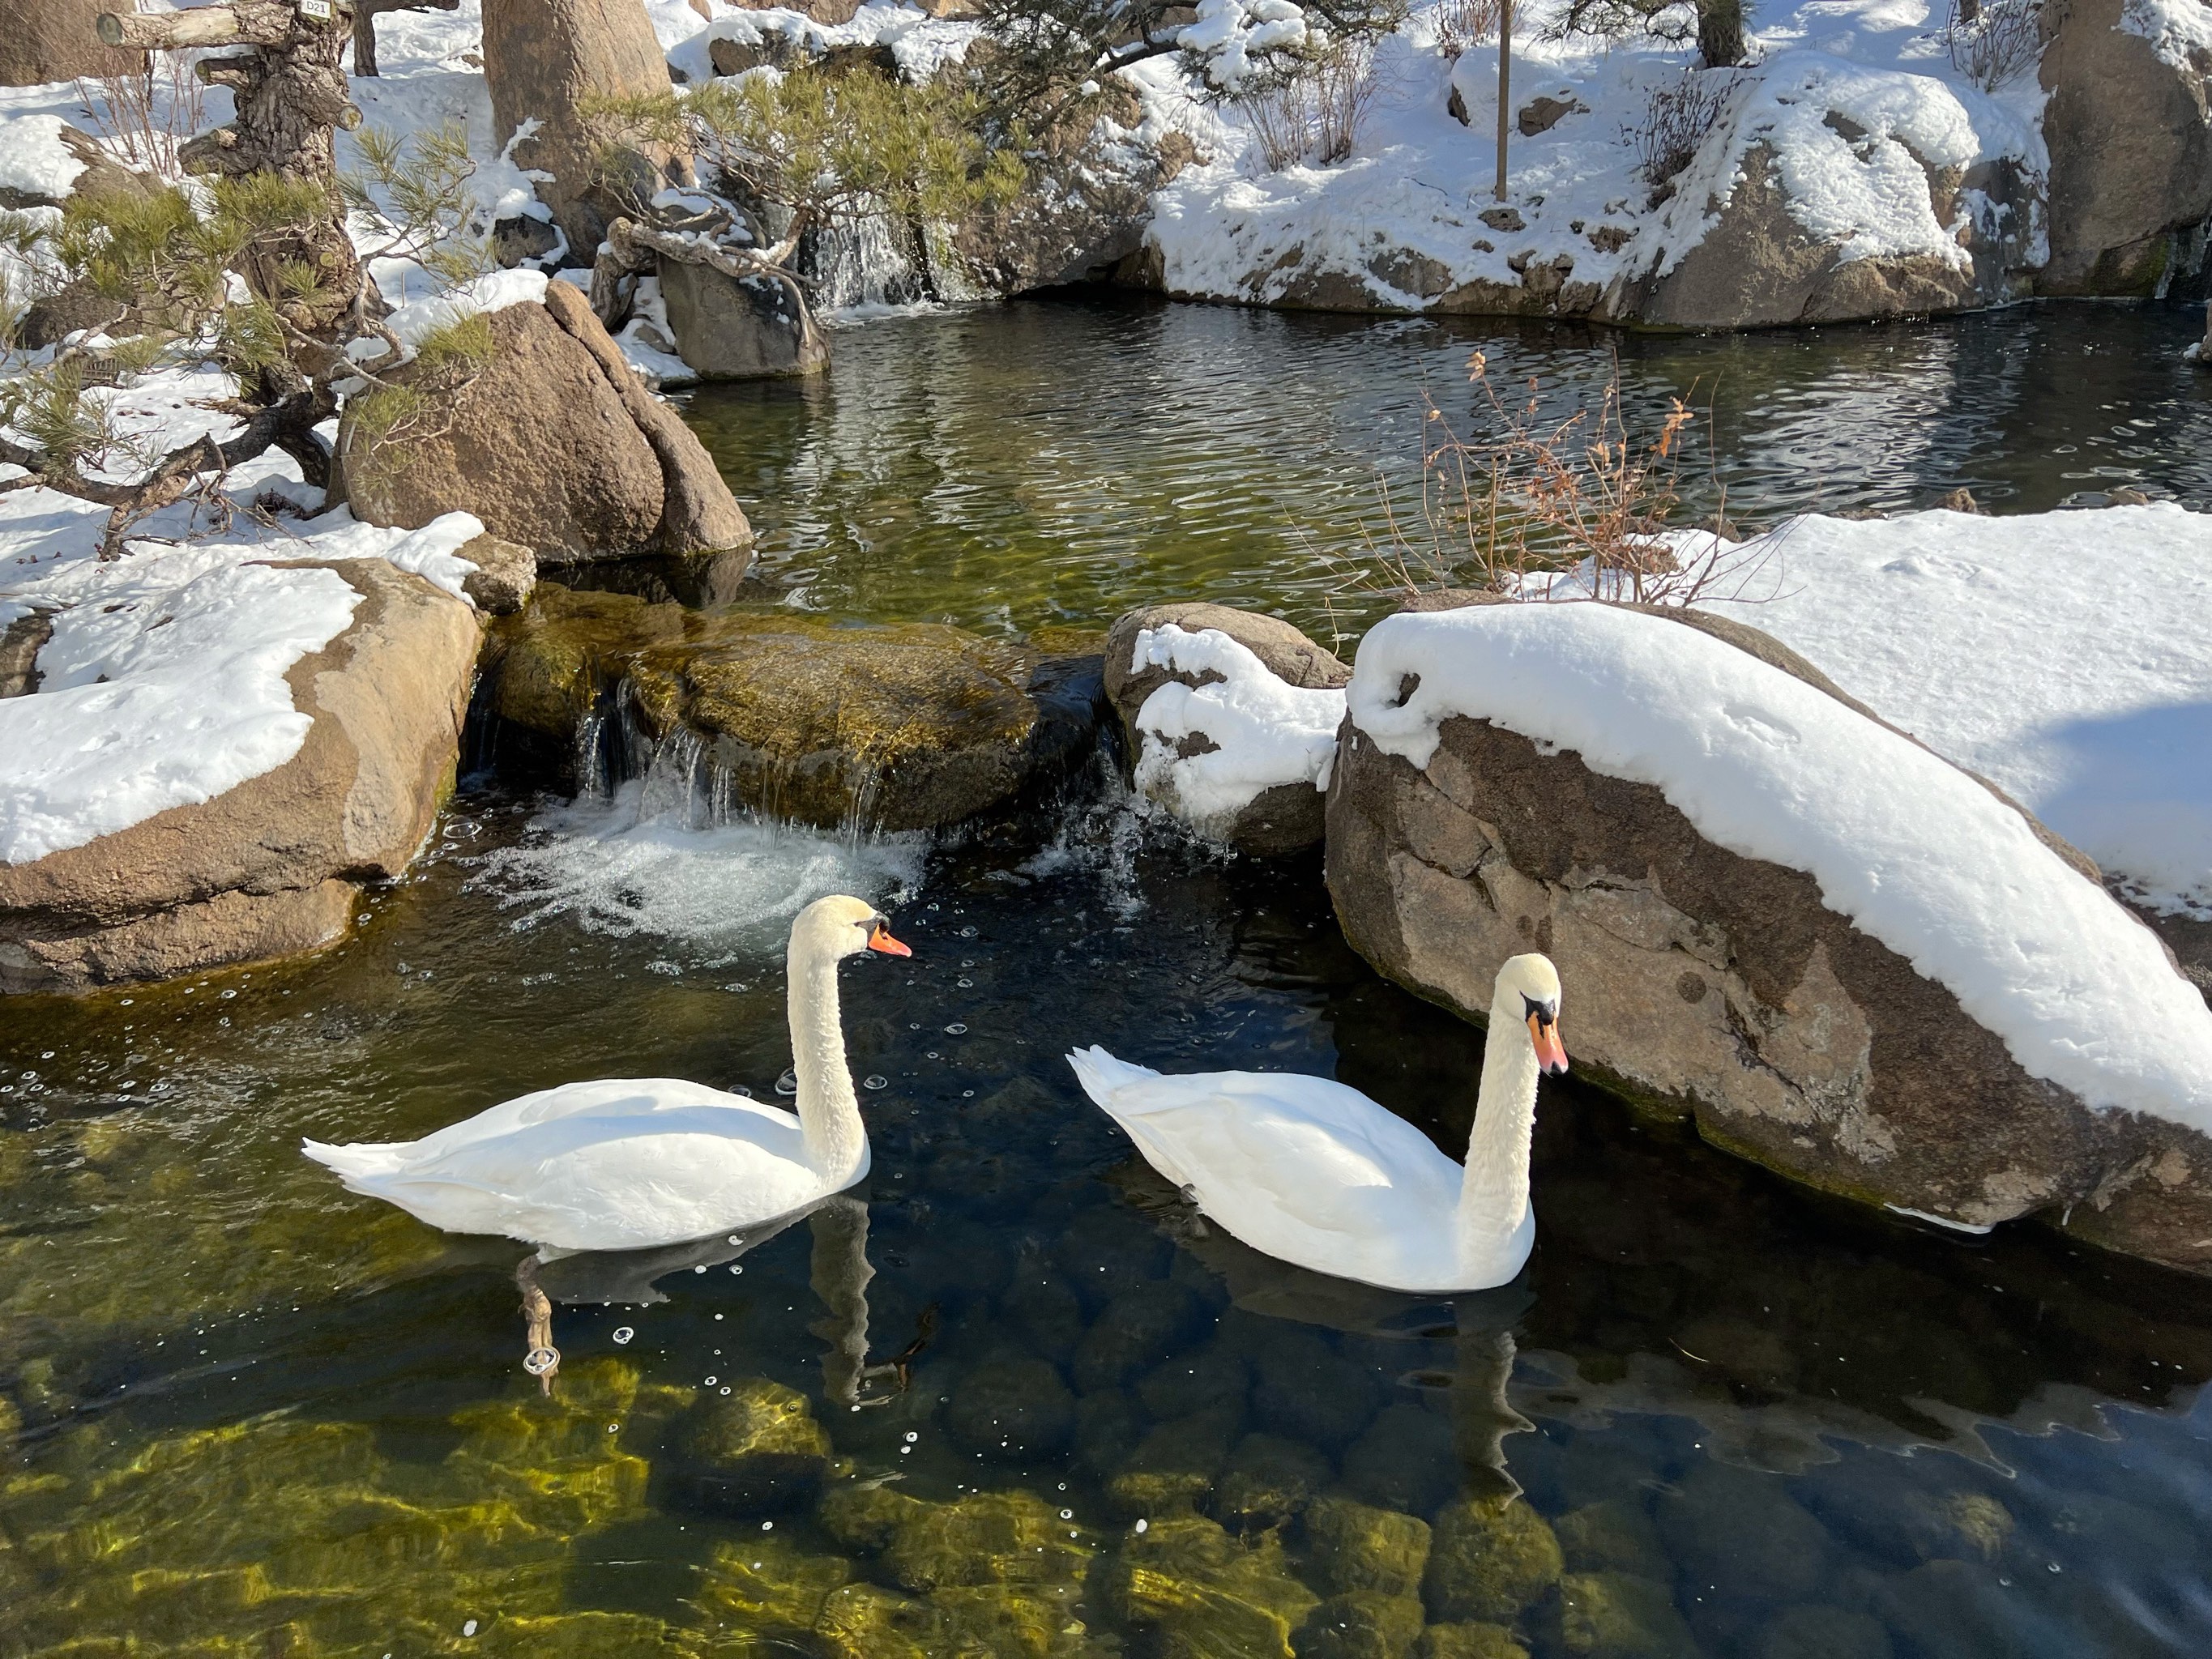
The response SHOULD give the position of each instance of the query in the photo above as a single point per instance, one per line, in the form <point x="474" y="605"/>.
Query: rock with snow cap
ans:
<point x="270" y="865"/>
<point x="1230" y="718"/>
<point x="1846" y="958"/>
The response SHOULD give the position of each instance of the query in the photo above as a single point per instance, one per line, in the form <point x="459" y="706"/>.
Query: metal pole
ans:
<point x="1504" y="85"/>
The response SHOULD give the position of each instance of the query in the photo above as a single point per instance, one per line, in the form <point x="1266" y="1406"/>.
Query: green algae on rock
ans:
<point x="1489" y="1559"/>
<point x="1469" y="1640"/>
<point x="986" y="1538"/>
<point x="864" y="1517"/>
<point x="1201" y="1594"/>
<point x="1612" y="1615"/>
<point x="1269" y="1479"/>
<point x="1174" y="1466"/>
<point x="755" y="1450"/>
<point x="1357" y="1547"/>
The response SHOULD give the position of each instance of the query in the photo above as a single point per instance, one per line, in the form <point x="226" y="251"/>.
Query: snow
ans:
<point x="2179" y="31"/>
<point x="920" y="44"/>
<point x="413" y="324"/>
<point x="35" y="162"/>
<point x="1266" y="730"/>
<point x="2067" y="657"/>
<point x="1851" y="97"/>
<point x="1914" y="852"/>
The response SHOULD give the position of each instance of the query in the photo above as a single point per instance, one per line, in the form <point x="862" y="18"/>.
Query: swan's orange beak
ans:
<point x="1545" y="1034"/>
<point x="880" y="938"/>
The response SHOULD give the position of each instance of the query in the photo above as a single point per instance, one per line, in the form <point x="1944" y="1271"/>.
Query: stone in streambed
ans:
<point x="1610" y="1615"/>
<point x="865" y="1518"/>
<point x="1816" y="1631"/>
<point x="1357" y="1547"/>
<point x="1489" y="1559"/>
<point x="986" y="1538"/>
<point x="1174" y="1464"/>
<point x="1360" y="1624"/>
<point x="1214" y="1375"/>
<point x="1469" y="1640"/>
<point x="755" y="1449"/>
<point x="1012" y="1408"/>
<point x="1614" y="1535"/>
<point x="1198" y="1593"/>
<point x="1135" y="1331"/>
<point x="1304" y="1386"/>
<point x="1405" y="1461"/>
<point x="1723" y="1525"/>
<point x="1269" y="1479"/>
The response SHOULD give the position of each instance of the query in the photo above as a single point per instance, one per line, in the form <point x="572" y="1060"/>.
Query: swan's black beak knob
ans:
<point x="880" y="938"/>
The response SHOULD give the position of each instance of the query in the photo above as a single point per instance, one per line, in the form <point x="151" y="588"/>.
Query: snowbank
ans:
<point x="1854" y="99"/>
<point x="413" y="324"/>
<point x="1266" y="732"/>
<point x="2067" y="657"/>
<point x="1915" y="852"/>
<point x="35" y="162"/>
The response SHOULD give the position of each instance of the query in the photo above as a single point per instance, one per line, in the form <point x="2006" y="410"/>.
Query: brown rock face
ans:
<point x="1759" y="267"/>
<point x="1285" y="818"/>
<point x="2130" y="142"/>
<point x="555" y="444"/>
<point x="543" y="58"/>
<point x="728" y="330"/>
<point x="1706" y="983"/>
<point x="54" y="41"/>
<point x="270" y="867"/>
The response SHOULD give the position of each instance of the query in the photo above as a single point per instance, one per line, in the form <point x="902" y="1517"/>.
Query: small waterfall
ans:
<point x="866" y="262"/>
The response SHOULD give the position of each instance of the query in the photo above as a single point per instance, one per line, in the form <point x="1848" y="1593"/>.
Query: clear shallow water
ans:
<point x="248" y="1414"/>
<point x="1018" y="466"/>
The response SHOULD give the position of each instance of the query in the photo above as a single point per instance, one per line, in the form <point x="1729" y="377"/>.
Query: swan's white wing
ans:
<point x="610" y="1165"/>
<point x="1303" y="1167"/>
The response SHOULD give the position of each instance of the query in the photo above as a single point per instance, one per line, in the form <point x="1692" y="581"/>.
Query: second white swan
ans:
<point x="1314" y="1172"/>
<point x="637" y="1162"/>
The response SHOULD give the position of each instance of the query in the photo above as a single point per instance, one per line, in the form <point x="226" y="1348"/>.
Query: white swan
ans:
<point x="635" y="1164"/>
<point x="1307" y="1170"/>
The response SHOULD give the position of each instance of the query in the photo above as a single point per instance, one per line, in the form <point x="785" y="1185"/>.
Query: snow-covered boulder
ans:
<point x="2129" y="126"/>
<point x="1230" y="720"/>
<point x="1849" y="959"/>
<point x="208" y="770"/>
<point x="555" y="443"/>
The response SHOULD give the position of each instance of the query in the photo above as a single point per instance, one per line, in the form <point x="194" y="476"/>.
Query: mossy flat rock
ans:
<point x="865" y="1518"/>
<point x="1358" y="1546"/>
<point x="765" y="1587"/>
<point x="1612" y="1615"/>
<point x="904" y="728"/>
<point x="755" y="1449"/>
<point x="1201" y="1594"/>
<point x="867" y="1621"/>
<point x="986" y="1538"/>
<point x="1361" y="1624"/>
<point x="1490" y="1559"/>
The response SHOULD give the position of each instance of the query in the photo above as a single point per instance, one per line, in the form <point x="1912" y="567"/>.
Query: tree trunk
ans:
<point x="290" y="95"/>
<point x="365" y="14"/>
<point x="1720" y="32"/>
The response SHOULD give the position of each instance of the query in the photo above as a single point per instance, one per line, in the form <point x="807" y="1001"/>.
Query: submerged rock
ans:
<point x="1466" y="1640"/>
<point x="1135" y="1330"/>
<point x="1488" y="1559"/>
<point x="1013" y="1408"/>
<point x="1201" y="1593"/>
<point x="1174" y="1466"/>
<point x="1356" y="1546"/>
<point x="1610" y="1615"/>
<point x="994" y="1538"/>
<point x="1269" y="1480"/>
<point x="758" y="1448"/>
<point x="865" y="1518"/>
<point x="1405" y="1461"/>
<point x="1817" y="1631"/>
<point x="1726" y="1524"/>
<point x="1613" y="1535"/>
<point x="1360" y="1624"/>
<point x="271" y="866"/>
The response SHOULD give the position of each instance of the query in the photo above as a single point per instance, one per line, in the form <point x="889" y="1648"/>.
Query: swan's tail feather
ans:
<point x="361" y="1160"/>
<point x="1102" y="1075"/>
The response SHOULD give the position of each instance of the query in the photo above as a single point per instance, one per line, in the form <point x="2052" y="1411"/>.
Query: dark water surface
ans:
<point x="246" y="1414"/>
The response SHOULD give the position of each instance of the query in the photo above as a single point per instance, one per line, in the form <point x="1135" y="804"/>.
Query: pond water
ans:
<point x="245" y="1412"/>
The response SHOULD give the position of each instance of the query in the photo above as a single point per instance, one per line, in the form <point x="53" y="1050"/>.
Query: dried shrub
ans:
<point x="1995" y="42"/>
<point x="1676" y="118"/>
<point x="146" y="118"/>
<point x="1567" y="508"/>
<point x="1464" y="23"/>
<point x="1315" y="114"/>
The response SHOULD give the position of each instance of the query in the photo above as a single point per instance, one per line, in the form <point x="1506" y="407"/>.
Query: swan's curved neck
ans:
<point x="828" y="1111"/>
<point x="1493" y="1201"/>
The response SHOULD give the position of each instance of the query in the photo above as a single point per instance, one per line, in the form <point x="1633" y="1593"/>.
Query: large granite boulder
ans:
<point x="729" y="328"/>
<point x="555" y="443"/>
<point x="1239" y="746"/>
<point x="1704" y="981"/>
<point x="271" y="867"/>
<point x="543" y="60"/>
<point x="54" y="41"/>
<point x="2129" y="126"/>
<point x="909" y="726"/>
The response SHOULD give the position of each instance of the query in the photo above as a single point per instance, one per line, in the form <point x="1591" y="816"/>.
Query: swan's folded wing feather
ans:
<point x="621" y="1099"/>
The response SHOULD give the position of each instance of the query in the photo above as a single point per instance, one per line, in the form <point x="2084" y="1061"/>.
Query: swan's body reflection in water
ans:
<point x="839" y="1270"/>
<point x="1479" y="1324"/>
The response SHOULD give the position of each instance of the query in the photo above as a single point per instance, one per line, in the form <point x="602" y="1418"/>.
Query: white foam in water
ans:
<point x="731" y="888"/>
